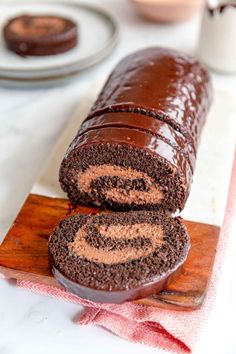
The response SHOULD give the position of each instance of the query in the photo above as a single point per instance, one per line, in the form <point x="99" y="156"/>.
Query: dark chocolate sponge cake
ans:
<point x="117" y="257"/>
<point x="40" y="35"/>
<point x="125" y="169"/>
<point x="137" y="147"/>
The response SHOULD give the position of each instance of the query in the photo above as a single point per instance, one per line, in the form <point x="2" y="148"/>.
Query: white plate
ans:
<point x="98" y="33"/>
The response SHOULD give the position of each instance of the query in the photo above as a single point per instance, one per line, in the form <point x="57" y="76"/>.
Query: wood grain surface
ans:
<point x="24" y="255"/>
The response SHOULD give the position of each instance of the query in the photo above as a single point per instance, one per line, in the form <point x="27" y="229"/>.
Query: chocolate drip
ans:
<point x="147" y="124"/>
<point x="220" y="8"/>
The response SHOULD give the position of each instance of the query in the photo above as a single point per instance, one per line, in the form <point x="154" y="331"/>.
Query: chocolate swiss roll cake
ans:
<point x="119" y="256"/>
<point x="40" y="35"/>
<point x="137" y="147"/>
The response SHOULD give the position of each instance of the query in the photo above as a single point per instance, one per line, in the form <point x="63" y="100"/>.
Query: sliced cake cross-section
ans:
<point x="125" y="169"/>
<point x="117" y="257"/>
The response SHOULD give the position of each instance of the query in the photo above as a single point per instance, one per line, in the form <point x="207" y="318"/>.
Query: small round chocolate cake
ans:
<point x="40" y="35"/>
<point x="117" y="257"/>
<point x="143" y="123"/>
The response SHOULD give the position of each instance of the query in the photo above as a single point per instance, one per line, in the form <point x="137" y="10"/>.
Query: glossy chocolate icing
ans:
<point x="114" y="297"/>
<point x="163" y="83"/>
<point x="220" y="8"/>
<point x="136" y="138"/>
<point x="144" y="123"/>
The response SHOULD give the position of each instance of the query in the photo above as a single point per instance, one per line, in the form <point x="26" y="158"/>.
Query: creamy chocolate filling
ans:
<point x="153" y="233"/>
<point x="37" y="26"/>
<point x="122" y="194"/>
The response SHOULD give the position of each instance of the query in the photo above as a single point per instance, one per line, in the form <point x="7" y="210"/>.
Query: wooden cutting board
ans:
<point x="24" y="255"/>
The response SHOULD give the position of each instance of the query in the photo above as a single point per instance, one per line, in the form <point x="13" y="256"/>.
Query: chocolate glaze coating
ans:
<point x="144" y="123"/>
<point x="166" y="84"/>
<point x="220" y="8"/>
<point x="114" y="297"/>
<point x="40" y="35"/>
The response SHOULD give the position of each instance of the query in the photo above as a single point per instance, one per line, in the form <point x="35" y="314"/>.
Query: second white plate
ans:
<point x="98" y="34"/>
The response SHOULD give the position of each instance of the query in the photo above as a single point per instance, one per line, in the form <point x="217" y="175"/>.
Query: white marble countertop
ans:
<point x="31" y="121"/>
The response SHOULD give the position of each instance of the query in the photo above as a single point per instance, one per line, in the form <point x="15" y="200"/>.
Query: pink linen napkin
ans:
<point x="175" y="331"/>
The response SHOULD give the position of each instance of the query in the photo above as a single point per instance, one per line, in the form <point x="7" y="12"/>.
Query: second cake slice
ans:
<point x="117" y="257"/>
